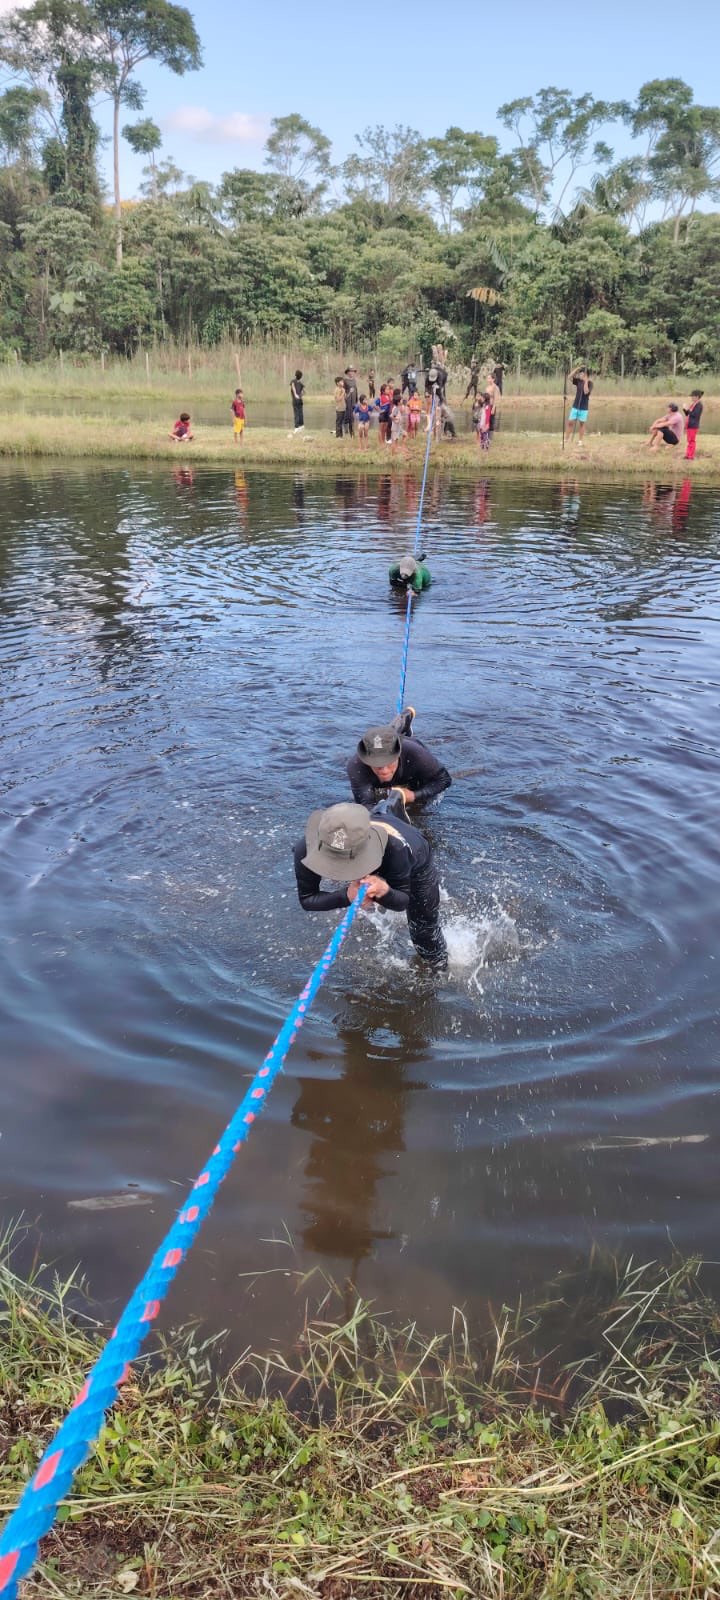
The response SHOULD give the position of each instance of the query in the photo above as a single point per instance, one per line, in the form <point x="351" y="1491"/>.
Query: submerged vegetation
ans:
<point x="378" y="1463"/>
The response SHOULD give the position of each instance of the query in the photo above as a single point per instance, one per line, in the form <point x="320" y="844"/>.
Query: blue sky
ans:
<point x="420" y="62"/>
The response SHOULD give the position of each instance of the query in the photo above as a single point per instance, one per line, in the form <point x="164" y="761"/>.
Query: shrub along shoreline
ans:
<point x="367" y="1462"/>
<point x="599" y="456"/>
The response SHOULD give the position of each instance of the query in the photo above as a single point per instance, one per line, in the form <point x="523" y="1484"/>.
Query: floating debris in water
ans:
<point x="637" y="1141"/>
<point x="112" y="1202"/>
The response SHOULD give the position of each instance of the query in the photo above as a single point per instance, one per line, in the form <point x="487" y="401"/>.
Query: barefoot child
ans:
<point x="398" y="423"/>
<point x="415" y="406"/>
<point x="484" y="422"/>
<point x="238" y="410"/>
<point x="361" y="413"/>
<point x="181" y="433"/>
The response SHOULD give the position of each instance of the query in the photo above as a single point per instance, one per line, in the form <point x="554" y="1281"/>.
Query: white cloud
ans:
<point x="238" y="127"/>
<point x="12" y="5"/>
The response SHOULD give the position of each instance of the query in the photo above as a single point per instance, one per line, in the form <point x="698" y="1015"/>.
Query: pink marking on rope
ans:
<point x="257" y="1094"/>
<point x="192" y="1214"/>
<point x="151" y="1311"/>
<point x="249" y="1117"/>
<point x="264" y="1072"/>
<point x="84" y="1392"/>
<point x="202" y="1180"/>
<point x="173" y="1258"/>
<point x="216" y="1151"/>
<point x="8" y="1564"/>
<point x="46" y="1472"/>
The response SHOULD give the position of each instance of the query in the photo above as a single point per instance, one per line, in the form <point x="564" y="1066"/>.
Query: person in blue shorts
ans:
<point x="582" y="380"/>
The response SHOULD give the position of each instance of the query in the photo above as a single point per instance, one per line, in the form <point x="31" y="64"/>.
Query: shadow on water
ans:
<point x="188" y="658"/>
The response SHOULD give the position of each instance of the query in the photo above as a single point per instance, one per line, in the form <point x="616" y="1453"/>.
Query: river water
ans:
<point x="187" y="658"/>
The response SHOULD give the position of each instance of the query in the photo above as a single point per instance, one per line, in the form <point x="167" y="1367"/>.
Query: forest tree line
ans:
<point x="539" y="247"/>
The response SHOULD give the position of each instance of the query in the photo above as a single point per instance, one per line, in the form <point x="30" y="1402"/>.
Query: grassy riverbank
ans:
<point x="601" y="455"/>
<point x="380" y="1465"/>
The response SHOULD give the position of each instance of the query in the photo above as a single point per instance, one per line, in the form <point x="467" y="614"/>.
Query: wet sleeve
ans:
<point x="429" y="778"/>
<point x="310" y="895"/>
<point x="394" y="573"/>
<point x="395" y="869"/>
<point x="363" y="788"/>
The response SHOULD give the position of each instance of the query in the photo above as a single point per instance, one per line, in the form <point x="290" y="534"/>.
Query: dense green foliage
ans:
<point x="411" y="239"/>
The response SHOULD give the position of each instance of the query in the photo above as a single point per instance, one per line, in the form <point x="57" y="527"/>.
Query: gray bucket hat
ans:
<point x="379" y="746"/>
<point x="408" y="567"/>
<point x="342" y="843"/>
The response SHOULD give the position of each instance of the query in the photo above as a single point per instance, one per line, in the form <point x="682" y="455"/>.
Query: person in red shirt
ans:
<point x="181" y="433"/>
<point x="237" y="407"/>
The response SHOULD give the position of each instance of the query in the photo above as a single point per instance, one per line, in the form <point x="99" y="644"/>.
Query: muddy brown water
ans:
<point x="187" y="657"/>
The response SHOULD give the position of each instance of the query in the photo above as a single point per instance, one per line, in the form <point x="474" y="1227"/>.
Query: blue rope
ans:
<point x="35" y="1514"/>
<point x="416" y="549"/>
<point x="70" y="1447"/>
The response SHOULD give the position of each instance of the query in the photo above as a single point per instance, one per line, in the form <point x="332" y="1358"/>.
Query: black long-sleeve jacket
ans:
<point x="405" y="852"/>
<point x="417" y="770"/>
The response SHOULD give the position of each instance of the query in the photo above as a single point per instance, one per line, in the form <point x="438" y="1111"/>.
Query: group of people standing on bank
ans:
<point x="369" y="843"/>
<point x="396" y="410"/>
<point x="677" y="422"/>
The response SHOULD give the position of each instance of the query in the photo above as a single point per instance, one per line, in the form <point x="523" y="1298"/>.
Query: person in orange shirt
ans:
<point x="415" y="406"/>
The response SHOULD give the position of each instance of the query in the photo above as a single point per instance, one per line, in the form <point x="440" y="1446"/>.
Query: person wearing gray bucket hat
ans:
<point x="380" y="850"/>
<point x="410" y="574"/>
<point x="388" y="759"/>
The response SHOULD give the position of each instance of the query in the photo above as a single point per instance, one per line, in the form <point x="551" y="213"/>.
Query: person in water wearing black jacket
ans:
<point x="388" y="759"/>
<point x="382" y="852"/>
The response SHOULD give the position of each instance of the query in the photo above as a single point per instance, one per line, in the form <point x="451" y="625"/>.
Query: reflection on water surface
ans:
<point x="187" y="659"/>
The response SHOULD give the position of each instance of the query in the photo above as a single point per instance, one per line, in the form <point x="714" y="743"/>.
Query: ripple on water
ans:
<point x="187" y="662"/>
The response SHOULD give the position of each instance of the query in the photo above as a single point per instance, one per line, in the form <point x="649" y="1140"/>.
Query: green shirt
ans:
<point x="421" y="579"/>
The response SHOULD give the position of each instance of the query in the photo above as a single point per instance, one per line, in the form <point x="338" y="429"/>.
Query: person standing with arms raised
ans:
<point x="582" y="380"/>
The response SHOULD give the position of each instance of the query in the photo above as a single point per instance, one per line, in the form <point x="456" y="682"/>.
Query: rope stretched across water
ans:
<point x="416" y="552"/>
<point x="70" y="1447"/>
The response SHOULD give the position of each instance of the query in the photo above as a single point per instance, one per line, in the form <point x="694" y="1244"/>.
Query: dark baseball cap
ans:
<point x="342" y="843"/>
<point x="379" y="746"/>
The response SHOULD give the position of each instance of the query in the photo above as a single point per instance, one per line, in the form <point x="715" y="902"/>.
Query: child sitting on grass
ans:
<point x="181" y="432"/>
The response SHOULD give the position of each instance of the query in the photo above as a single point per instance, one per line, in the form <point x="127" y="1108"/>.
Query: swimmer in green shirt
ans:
<point x="410" y="574"/>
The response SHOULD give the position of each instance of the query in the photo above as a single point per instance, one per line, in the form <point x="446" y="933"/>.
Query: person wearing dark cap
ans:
<point x="388" y="760"/>
<point x="381" y="851"/>
<point x="410" y="574"/>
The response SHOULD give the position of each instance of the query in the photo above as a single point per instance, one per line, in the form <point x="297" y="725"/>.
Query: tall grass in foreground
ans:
<point x="265" y="367"/>
<point x="376" y="1462"/>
